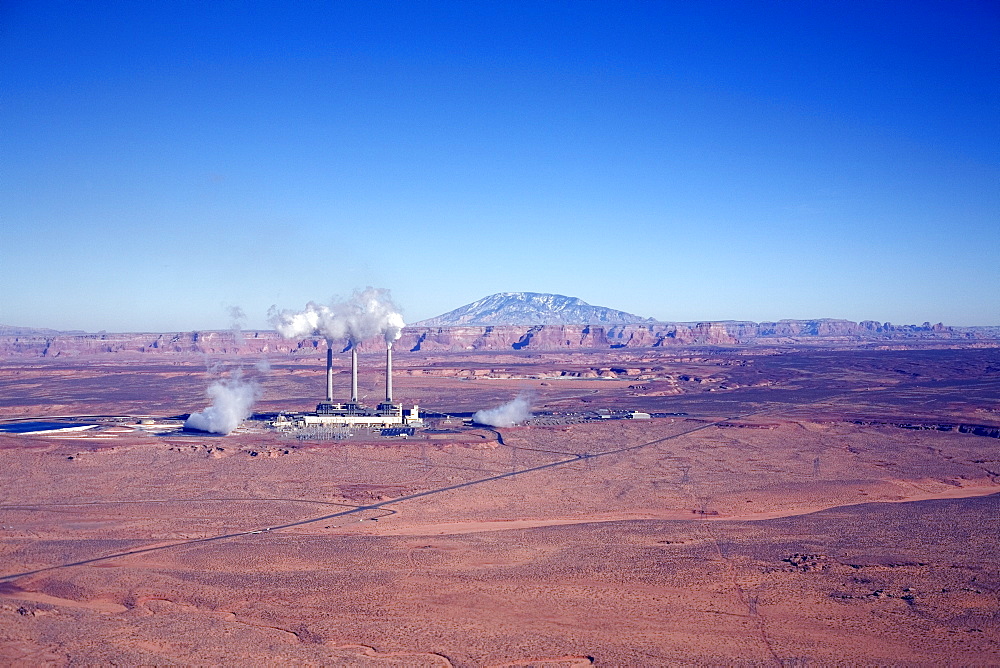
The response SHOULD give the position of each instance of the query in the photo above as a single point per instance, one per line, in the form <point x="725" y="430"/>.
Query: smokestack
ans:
<point x="388" y="373"/>
<point x="329" y="373"/>
<point x="354" y="373"/>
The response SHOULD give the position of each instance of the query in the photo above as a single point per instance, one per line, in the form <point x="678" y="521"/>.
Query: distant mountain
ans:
<point x="531" y="308"/>
<point x="12" y="330"/>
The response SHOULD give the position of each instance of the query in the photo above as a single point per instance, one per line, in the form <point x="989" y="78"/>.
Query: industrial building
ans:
<point x="352" y="413"/>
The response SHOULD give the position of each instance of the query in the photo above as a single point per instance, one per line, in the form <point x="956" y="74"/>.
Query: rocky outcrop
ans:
<point x="64" y="345"/>
<point x="499" y="337"/>
<point x="974" y="429"/>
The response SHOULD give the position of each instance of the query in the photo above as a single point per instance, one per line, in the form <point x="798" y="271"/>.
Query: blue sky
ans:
<point x="161" y="162"/>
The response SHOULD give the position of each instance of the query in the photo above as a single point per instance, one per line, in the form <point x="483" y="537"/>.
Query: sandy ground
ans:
<point x="786" y="519"/>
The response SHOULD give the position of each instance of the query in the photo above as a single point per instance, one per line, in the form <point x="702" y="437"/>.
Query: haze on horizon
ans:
<point x="164" y="162"/>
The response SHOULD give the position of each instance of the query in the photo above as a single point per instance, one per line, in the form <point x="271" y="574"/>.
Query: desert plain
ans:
<point x="787" y="506"/>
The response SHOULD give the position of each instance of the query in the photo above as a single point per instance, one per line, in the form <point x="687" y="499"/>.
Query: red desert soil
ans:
<point x="803" y="505"/>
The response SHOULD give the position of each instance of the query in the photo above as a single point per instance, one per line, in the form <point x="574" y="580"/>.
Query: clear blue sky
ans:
<point x="161" y="162"/>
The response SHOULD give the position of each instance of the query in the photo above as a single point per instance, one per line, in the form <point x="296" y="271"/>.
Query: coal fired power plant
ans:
<point x="353" y="413"/>
<point x="368" y="315"/>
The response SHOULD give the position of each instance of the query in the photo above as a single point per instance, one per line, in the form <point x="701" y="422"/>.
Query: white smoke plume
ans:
<point x="505" y="415"/>
<point x="232" y="402"/>
<point x="374" y="313"/>
<point x="237" y="319"/>
<point x="367" y="314"/>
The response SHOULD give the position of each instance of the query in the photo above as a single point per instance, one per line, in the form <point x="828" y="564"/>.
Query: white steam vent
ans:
<point x="512" y="413"/>
<point x="232" y="402"/>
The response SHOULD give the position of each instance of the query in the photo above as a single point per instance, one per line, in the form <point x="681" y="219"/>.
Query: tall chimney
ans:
<point x="354" y="373"/>
<point x="388" y="373"/>
<point x="329" y="373"/>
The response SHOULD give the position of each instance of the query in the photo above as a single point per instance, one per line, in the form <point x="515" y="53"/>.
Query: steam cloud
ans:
<point x="237" y="318"/>
<point x="505" y="415"/>
<point x="367" y="314"/>
<point x="232" y="401"/>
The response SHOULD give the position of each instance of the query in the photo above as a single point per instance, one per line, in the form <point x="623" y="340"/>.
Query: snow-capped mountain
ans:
<point x="531" y="308"/>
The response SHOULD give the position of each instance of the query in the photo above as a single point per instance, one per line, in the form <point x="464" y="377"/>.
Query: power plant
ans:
<point x="353" y="413"/>
<point x="368" y="314"/>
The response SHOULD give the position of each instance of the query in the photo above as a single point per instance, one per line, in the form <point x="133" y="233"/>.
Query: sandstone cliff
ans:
<point x="501" y="337"/>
